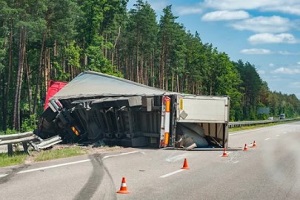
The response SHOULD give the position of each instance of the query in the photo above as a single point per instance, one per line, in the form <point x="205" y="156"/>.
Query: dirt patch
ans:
<point x="89" y="149"/>
<point x="30" y="158"/>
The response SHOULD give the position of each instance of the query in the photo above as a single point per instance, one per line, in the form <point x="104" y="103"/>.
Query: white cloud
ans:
<point x="298" y="63"/>
<point x="188" y="10"/>
<point x="256" y="51"/>
<point x="223" y="15"/>
<point x="287" y="53"/>
<point x="271" y="65"/>
<point x="272" y="38"/>
<point x="274" y="24"/>
<point x="290" y="9"/>
<point x="239" y="4"/>
<point x="284" y="6"/>
<point x="284" y="70"/>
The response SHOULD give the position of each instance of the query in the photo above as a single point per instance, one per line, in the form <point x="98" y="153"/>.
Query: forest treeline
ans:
<point x="57" y="39"/>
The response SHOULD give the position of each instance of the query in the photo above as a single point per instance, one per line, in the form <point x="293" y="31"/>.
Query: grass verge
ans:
<point x="59" y="153"/>
<point x="16" y="159"/>
<point x="233" y="129"/>
<point x="20" y="157"/>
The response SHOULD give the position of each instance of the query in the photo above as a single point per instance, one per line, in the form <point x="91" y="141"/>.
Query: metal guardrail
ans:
<point x="49" y="142"/>
<point x="15" y="138"/>
<point x="249" y="123"/>
<point x="27" y="138"/>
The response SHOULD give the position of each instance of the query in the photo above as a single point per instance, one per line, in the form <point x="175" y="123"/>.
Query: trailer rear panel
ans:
<point x="204" y="119"/>
<point x="204" y="109"/>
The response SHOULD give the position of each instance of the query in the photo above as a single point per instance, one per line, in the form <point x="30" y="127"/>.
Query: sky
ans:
<point x="265" y="33"/>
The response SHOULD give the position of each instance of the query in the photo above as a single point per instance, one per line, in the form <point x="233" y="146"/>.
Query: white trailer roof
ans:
<point x="95" y="84"/>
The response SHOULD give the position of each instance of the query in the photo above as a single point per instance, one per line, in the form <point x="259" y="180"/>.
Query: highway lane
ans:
<point x="74" y="178"/>
<point x="269" y="171"/>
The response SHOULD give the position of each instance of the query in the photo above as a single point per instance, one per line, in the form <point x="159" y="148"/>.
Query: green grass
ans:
<point x="19" y="157"/>
<point x="59" y="153"/>
<point x="16" y="159"/>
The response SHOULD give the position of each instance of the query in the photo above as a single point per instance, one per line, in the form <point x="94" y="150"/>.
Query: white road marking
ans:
<point x="175" y="158"/>
<point x="3" y="175"/>
<point x="235" y="162"/>
<point x="53" y="166"/>
<point x="172" y="173"/>
<point x="267" y="138"/>
<point x="121" y="154"/>
<point x="66" y="164"/>
<point x="277" y="135"/>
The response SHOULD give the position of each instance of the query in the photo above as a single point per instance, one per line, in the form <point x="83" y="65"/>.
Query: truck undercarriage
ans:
<point x="119" y="112"/>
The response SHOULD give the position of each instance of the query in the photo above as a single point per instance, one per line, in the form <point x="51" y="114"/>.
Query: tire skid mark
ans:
<point x="6" y="177"/>
<point x="95" y="180"/>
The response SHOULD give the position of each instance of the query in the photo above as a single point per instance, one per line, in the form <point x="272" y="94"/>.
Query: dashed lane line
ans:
<point x="48" y="167"/>
<point x="122" y="154"/>
<point x="172" y="173"/>
<point x="53" y="166"/>
<point x="3" y="175"/>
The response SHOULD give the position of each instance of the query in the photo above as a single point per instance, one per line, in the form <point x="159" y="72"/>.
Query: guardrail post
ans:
<point x="9" y="149"/>
<point x="25" y="147"/>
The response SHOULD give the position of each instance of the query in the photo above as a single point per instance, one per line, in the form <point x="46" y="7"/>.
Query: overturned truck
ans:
<point x="97" y="107"/>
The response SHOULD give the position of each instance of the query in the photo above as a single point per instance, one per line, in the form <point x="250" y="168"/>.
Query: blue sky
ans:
<point x="266" y="33"/>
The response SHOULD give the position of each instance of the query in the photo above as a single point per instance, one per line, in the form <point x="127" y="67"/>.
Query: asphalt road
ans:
<point x="269" y="171"/>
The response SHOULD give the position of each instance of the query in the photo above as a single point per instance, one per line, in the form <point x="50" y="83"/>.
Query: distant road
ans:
<point x="269" y="171"/>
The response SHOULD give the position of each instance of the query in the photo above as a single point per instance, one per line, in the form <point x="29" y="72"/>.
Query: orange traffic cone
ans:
<point x="254" y="144"/>
<point x="225" y="154"/>
<point x="123" y="188"/>
<point x="185" y="164"/>
<point x="245" y="148"/>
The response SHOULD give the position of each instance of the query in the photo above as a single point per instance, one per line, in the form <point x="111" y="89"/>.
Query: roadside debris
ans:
<point x="27" y="139"/>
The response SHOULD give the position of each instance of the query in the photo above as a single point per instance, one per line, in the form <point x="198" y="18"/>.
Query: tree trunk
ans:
<point x="152" y="71"/>
<point x="162" y="68"/>
<point x="105" y="46"/>
<point x="114" y="51"/>
<point x="137" y="65"/>
<point x="39" y="74"/>
<point x="178" y="85"/>
<point x="2" y="87"/>
<point x="141" y="70"/>
<point x="46" y="69"/>
<point x="146" y="72"/>
<point x="166" y="82"/>
<point x="22" y="49"/>
<point x="28" y="86"/>
<point x="7" y="93"/>
<point x="172" y="81"/>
